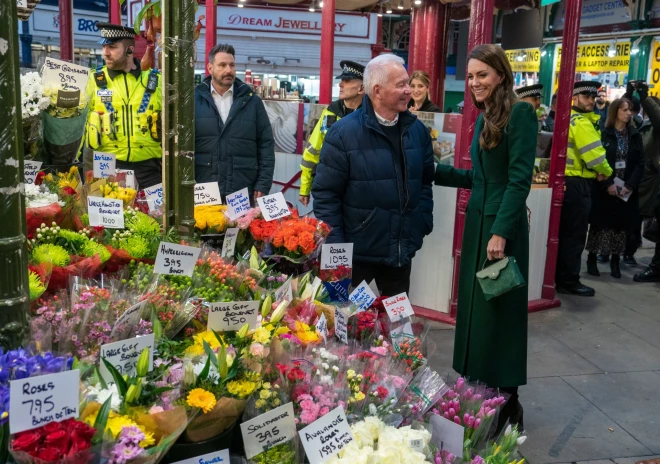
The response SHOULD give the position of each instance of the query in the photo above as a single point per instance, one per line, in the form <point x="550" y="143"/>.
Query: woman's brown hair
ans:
<point x="613" y="112"/>
<point x="502" y="98"/>
<point x="421" y="76"/>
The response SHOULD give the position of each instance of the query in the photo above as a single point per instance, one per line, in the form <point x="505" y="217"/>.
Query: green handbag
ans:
<point x="500" y="277"/>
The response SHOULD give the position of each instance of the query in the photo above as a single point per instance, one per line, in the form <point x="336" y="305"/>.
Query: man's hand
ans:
<point x="625" y="191"/>
<point x="601" y="177"/>
<point x="612" y="190"/>
<point x="495" y="249"/>
<point x="304" y="199"/>
<point x="630" y="88"/>
<point x="257" y="194"/>
<point x="643" y="91"/>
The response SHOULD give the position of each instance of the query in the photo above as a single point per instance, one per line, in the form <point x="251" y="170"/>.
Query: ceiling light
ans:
<point x="389" y="8"/>
<point x="240" y="5"/>
<point x="380" y="11"/>
<point x="320" y="3"/>
<point x="400" y="5"/>
<point x="311" y="8"/>
<point x="418" y="2"/>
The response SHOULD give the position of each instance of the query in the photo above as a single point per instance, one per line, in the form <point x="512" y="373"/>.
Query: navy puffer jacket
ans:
<point x="239" y="153"/>
<point x="361" y="190"/>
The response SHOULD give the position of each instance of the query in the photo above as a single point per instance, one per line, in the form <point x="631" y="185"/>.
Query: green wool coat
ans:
<point x="491" y="336"/>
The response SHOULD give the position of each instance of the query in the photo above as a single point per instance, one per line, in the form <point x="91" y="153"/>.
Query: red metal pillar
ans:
<point x="481" y="31"/>
<point x="419" y="59"/>
<point x="327" y="52"/>
<point x="560" y="139"/>
<point x="66" y="30"/>
<point x="211" y="30"/>
<point x="439" y="68"/>
<point x="412" y="43"/>
<point x="114" y="12"/>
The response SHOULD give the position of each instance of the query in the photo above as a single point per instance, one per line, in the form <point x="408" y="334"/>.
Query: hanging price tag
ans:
<point x="267" y="430"/>
<point x="124" y="355"/>
<point x="131" y="317"/>
<point x="207" y="193"/>
<point x="217" y="457"/>
<point x="30" y="170"/>
<point x="58" y="74"/>
<point x="398" y="307"/>
<point x="155" y="193"/>
<point x="229" y="243"/>
<point x="238" y="204"/>
<point x="105" y="212"/>
<point x="130" y="177"/>
<point x="362" y="296"/>
<point x="224" y="317"/>
<point x="173" y="259"/>
<point x="273" y="206"/>
<point x="285" y="292"/>
<point x="334" y="255"/>
<point x="322" y="327"/>
<point x="37" y="401"/>
<point x="341" y="325"/>
<point x="327" y="436"/>
<point x="104" y="165"/>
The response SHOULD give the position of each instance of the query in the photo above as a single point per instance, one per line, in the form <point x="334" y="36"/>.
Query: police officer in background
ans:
<point x="125" y="111"/>
<point x="585" y="162"/>
<point x="351" y="94"/>
<point x="531" y="94"/>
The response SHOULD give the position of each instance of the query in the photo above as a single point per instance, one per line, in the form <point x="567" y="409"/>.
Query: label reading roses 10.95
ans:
<point x="233" y="315"/>
<point x="273" y="206"/>
<point x="268" y="430"/>
<point x="334" y="255"/>
<point x="326" y="436"/>
<point x="173" y="259"/>
<point x="37" y="401"/>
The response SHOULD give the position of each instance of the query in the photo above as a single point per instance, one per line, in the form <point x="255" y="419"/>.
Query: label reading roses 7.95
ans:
<point x="326" y="436"/>
<point x="273" y="428"/>
<point x="37" y="401"/>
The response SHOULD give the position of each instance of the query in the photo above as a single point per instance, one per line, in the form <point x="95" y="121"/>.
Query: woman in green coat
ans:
<point x="491" y="336"/>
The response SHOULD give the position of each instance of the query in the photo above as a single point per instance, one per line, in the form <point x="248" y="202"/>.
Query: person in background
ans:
<point x="125" y="108"/>
<point x="585" y="161"/>
<point x="549" y="123"/>
<point x="531" y="94"/>
<point x="601" y="108"/>
<point x="420" y="101"/>
<point x="351" y="94"/>
<point x="614" y="209"/>
<point x="234" y="143"/>
<point x="652" y="272"/>
<point x="373" y="184"/>
<point x="491" y="336"/>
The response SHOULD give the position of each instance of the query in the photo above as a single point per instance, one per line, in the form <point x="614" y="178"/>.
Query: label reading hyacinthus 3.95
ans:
<point x="174" y="259"/>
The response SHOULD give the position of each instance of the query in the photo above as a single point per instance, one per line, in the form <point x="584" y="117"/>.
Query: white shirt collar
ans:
<point x="229" y="91"/>
<point x="386" y="122"/>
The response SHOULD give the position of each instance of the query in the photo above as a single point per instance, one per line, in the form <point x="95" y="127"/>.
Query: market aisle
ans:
<point x="594" y="373"/>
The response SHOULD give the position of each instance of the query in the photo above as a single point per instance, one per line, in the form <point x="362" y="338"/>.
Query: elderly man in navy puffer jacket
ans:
<point x="373" y="181"/>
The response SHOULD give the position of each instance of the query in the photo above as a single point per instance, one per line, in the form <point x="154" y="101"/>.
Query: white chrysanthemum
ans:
<point x="100" y="395"/>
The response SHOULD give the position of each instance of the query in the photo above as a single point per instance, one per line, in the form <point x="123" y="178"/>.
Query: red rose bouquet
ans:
<point x="67" y="442"/>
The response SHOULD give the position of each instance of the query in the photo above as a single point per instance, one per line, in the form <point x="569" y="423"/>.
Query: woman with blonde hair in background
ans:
<point x="420" y="101"/>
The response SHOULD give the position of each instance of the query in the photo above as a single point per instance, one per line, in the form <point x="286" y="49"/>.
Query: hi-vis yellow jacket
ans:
<point x="312" y="153"/>
<point x="585" y="155"/>
<point x="125" y="113"/>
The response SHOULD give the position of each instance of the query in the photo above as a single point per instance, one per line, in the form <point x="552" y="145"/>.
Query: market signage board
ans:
<point x="273" y="206"/>
<point x="524" y="60"/>
<point x="105" y="165"/>
<point x="154" y="196"/>
<point x="207" y="194"/>
<point x="595" y="57"/>
<point x="238" y="204"/>
<point x="334" y="255"/>
<point x="327" y="436"/>
<point x="226" y="316"/>
<point x="268" y="430"/>
<point x="30" y="170"/>
<point x="106" y="212"/>
<point x="229" y="243"/>
<point x="398" y="307"/>
<point x="595" y="13"/>
<point x="174" y="259"/>
<point x="124" y="355"/>
<point x="58" y="74"/>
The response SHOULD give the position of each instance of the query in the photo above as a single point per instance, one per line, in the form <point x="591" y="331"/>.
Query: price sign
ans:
<point x="327" y="436"/>
<point x="130" y="318"/>
<point x="124" y="355"/>
<point x="60" y="74"/>
<point x="216" y="457"/>
<point x="105" y="212"/>
<point x="36" y="401"/>
<point x="229" y="243"/>
<point x="238" y="204"/>
<point x="30" y="170"/>
<point x="130" y="177"/>
<point x="341" y="325"/>
<point x="398" y="307"/>
<point x="224" y="317"/>
<point x="285" y="292"/>
<point x="334" y="255"/>
<point x="322" y="327"/>
<point x="267" y="430"/>
<point x="207" y="193"/>
<point x="21" y="3"/>
<point x="174" y="259"/>
<point x="273" y="206"/>
<point x="155" y="193"/>
<point x="447" y="435"/>
<point x="362" y="296"/>
<point x="104" y="165"/>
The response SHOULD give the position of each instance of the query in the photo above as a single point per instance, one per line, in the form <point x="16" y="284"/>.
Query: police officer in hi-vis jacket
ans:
<point x="125" y="108"/>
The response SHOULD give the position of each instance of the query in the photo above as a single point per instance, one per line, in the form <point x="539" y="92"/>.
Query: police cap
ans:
<point x="111" y="33"/>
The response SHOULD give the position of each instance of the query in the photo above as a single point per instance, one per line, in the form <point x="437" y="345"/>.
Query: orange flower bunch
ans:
<point x="262" y="229"/>
<point x="296" y="235"/>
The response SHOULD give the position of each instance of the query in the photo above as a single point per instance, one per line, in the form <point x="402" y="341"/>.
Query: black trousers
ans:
<point x="147" y="173"/>
<point x="573" y="230"/>
<point x="655" y="262"/>
<point x="390" y="280"/>
<point x="634" y="237"/>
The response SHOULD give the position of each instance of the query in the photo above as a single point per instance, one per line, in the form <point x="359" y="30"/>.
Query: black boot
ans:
<point x="592" y="265"/>
<point x="614" y="266"/>
<point x="649" y="275"/>
<point x="511" y="412"/>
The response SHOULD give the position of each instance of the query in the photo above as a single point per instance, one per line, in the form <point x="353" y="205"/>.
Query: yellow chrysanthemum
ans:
<point x="282" y="330"/>
<point x="117" y="422"/>
<point x="197" y="348"/>
<point x="200" y="398"/>
<point x="305" y="334"/>
<point x="241" y="388"/>
<point x="261" y="335"/>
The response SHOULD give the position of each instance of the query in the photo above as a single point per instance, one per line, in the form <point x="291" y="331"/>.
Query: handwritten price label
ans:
<point x="322" y="327"/>
<point x="398" y="307"/>
<point x="229" y="243"/>
<point x="362" y="296"/>
<point x="104" y="165"/>
<point x="30" y="170"/>
<point x="267" y="430"/>
<point x="130" y="318"/>
<point x="327" y="436"/>
<point x="37" y="401"/>
<point x="341" y="325"/>
<point x="124" y="355"/>
<point x="285" y="292"/>
<point x="58" y="74"/>
<point x="216" y="457"/>
<point x="130" y="181"/>
<point x="207" y="193"/>
<point x="334" y="255"/>
<point x="105" y="212"/>
<point x="238" y="204"/>
<point x="155" y="194"/>
<point x="232" y="316"/>
<point x="273" y="206"/>
<point x="174" y="259"/>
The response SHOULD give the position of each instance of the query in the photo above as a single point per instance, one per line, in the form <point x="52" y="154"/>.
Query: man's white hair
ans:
<point x="376" y="71"/>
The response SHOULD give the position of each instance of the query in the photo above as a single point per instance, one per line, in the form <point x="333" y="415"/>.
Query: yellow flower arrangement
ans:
<point x="116" y="422"/>
<point x="305" y="334"/>
<point x="261" y="335"/>
<point x="65" y="179"/>
<point x="197" y="348"/>
<point x="241" y="388"/>
<point x="113" y="190"/>
<point x="211" y="217"/>
<point x="200" y="398"/>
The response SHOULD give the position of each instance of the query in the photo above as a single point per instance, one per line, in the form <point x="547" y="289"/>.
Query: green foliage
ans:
<point x="49" y="253"/>
<point x="136" y="246"/>
<point x="94" y="248"/>
<point x="37" y="288"/>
